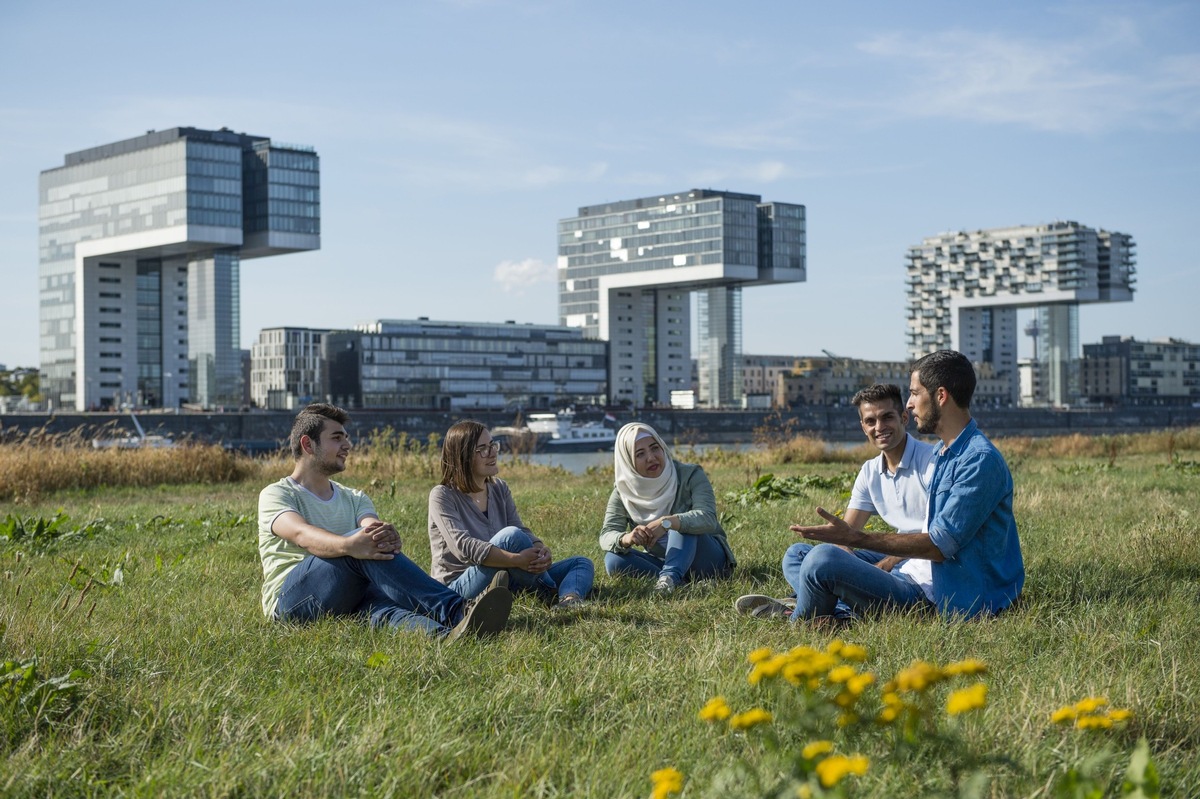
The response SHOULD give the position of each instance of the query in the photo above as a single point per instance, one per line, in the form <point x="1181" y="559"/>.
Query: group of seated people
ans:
<point x="325" y="551"/>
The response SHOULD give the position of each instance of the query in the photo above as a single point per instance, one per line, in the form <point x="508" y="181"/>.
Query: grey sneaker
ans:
<point x="665" y="585"/>
<point x="747" y="605"/>
<point x="570" y="602"/>
<point x="762" y="607"/>
<point x="487" y="613"/>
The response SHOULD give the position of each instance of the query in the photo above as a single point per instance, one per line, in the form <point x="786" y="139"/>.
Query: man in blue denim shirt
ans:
<point x="972" y="538"/>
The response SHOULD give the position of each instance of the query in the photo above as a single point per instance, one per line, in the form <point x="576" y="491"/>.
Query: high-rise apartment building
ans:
<point x="285" y="368"/>
<point x="140" y="249"/>
<point x="626" y="271"/>
<point x="964" y="290"/>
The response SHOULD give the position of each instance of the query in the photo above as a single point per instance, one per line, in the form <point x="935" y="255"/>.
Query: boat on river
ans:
<point x="556" y="432"/>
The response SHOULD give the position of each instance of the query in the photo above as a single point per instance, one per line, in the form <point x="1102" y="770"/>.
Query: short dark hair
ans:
<point x="458" y="455"/>
<point x="311" y="422"/>
<point x="950" y="370"/>
<point x="878" y="393"/>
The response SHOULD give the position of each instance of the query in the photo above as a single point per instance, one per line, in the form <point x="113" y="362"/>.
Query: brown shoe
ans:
<point x="487" y="613"/>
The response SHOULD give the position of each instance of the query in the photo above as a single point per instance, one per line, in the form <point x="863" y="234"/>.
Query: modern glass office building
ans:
<point x="964" y="290"/>
<point x="439" y="365"/>
<point x="626" y="271"/>
<point x="140" y="248"/>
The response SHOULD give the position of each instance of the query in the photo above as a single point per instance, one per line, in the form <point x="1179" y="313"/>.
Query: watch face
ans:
<point x="666" y="523"/>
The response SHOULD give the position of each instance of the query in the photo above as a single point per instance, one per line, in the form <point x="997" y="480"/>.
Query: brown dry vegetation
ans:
<point x="38" y="464"/>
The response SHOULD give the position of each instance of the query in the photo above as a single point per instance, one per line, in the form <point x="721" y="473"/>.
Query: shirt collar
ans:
<point x="960" y="442"/>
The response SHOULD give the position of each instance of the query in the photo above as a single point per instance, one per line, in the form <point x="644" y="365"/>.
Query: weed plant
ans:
<point x="157" y="674"/>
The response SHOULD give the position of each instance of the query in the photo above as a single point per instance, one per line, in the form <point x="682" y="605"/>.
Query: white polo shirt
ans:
<point x="901" y="499"/>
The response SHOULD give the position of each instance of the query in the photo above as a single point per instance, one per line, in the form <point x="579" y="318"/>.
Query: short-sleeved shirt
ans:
<point x="971" y="521"/>
<point x="341" y="514"/>
<point x="900" y="498"/>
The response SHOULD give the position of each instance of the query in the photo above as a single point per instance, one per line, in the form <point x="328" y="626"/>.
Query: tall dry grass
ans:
<point x="38" y="465"/>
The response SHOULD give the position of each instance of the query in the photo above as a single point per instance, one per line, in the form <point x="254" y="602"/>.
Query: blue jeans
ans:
<point x="830" y="581"/>
<point x="568" y="576"/>
<point x="394" y="593"/>
<point x="681" y="556"/>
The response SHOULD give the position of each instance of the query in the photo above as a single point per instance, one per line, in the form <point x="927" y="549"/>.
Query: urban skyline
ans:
<point x="446" y="167"/>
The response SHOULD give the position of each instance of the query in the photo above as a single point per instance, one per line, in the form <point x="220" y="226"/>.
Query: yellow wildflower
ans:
<point x="840" y="674"/>
<point x="816" y="749"/>
<point x="967" y="667"/>
<point x="853" y="652"/>
<point x="1063" y="715"/>
<point x="918" y="676"/>
<point x="858" y="683"/>
<point x="966" y="699"/>
<point x="1120" y="714"/>
<point x="1091" y="704"/>
<point x="846" y="719"/>
<point x="751" y="718"/>
<point x="1093" y="722"/>
<point x="760" y="654"/>
<point x="888" y="715"/>
<point x="836" y="768"/>
<point x="803" y="791"/>
<point x="715" y="710"/>
<point x="666" y="782"/>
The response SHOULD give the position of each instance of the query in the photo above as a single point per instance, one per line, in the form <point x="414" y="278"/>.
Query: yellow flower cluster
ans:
<point x="966" y="699"/>
<point x="833" y="769"/>
<point x="751" y="718"/>
<point x="666" y="782"/>
<point x="1090" y="714"/>
<point x="836" y="768"/>
<point x="802" y="665"/>
<point x="920" y="676"/>
<point x="715" y="710"/>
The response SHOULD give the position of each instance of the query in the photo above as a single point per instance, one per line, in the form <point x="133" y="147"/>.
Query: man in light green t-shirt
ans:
<point x="325" y="551"/>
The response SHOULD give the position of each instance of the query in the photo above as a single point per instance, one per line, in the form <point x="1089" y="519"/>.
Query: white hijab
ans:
<point x="645" y="498"/>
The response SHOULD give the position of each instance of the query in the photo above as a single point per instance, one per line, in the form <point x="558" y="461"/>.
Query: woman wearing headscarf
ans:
<point x="475" y="531"/>
<point x="661" y="520"/>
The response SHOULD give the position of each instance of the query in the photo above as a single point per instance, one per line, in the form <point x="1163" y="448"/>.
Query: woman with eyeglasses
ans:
<point x="475" y="532"/>
<point x="661" y="520"/>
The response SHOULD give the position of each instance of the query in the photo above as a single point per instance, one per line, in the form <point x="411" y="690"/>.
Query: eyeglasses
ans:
<point x="484" y="450"/>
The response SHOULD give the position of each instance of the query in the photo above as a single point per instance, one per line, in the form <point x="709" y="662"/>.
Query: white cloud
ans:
<point x="516" y="276"/>
<point x="1101" y="80"/>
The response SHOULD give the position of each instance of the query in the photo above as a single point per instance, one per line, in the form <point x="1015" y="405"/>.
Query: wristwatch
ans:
<point x="666" y="523"/>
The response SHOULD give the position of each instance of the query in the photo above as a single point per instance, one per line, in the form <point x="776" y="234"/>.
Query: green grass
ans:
<point x="191" y="692"/>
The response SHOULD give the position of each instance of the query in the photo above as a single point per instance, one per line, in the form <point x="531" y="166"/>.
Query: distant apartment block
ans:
<point x="424" y="364"/>
<point x="285" y="368"/>
<point x="140" y="247"/>
<point x="627" y="270"/>
<point x="964" y="290"/>
<point x="832" y="380"/>
<point x="1121" y="370"/>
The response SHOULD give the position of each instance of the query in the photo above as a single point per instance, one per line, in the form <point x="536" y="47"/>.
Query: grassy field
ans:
<point x="139" y="662"/>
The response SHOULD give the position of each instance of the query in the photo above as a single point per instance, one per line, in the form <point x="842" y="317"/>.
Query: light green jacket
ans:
<point x="695" y="505"/>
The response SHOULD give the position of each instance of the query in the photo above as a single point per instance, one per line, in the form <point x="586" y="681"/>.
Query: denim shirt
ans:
<point x="971" y="522"/>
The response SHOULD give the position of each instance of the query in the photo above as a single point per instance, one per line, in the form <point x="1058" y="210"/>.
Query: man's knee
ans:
<point x="824" y="560"/>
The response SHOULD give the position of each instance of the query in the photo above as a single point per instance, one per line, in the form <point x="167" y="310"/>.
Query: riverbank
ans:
<point x="260" y="431"/>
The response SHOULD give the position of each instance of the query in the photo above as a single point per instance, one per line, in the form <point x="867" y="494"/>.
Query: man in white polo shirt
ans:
<point x="836" y="581"/>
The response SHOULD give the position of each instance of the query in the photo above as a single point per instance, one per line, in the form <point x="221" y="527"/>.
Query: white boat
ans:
<point x="140" y="441"/>
<point x="559" y="432"/>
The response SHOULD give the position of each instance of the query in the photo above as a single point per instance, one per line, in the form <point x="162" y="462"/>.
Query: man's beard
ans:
<point x="928" y="425"/>
<point x="329" y="467"/>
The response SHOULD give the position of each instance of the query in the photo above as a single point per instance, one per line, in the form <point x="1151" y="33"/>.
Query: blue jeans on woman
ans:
<point x="675" y="554"/>
<point x="394" y="593"/>
<point x="829" y="581"/>
<point x="568" y="576"/>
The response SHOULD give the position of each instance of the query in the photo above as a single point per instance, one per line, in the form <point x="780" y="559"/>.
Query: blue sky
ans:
<point x="454" y="135"/>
